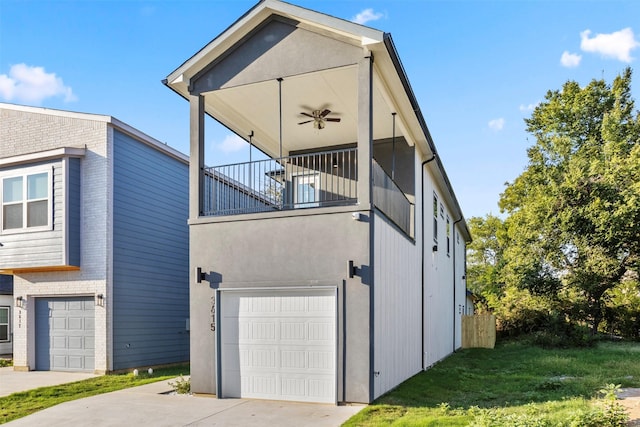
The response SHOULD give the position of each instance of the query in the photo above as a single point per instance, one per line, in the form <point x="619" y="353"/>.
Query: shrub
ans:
<point x="181" y="386"/>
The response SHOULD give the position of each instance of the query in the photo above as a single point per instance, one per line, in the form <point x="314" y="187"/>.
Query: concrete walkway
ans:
<point x="149" y="405"/>
<point x="12" y="381"/>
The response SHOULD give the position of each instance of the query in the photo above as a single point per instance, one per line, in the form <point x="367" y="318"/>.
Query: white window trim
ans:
<point x="8" y="308"/>
<point x="24" y="172"/>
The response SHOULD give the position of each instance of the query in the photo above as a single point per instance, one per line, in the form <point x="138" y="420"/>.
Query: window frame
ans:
<point x="435" y="218"/>
<point x="8" y="324"/>
<point x="24" y="173"/>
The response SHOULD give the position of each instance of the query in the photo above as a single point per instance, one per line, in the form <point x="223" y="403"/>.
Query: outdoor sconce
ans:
<point x="200" y="275"/>
<point x="100" y="300"/>
<point x="352" y="270"/>
<point x="435" y="248"/>
<point x="20" y="302"/>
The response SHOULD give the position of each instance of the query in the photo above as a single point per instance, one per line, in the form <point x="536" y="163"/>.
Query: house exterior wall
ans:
<point x="396" y="306"/>
<point x="23" y="132"/>
<point x="298" y="249"/>
<point x="439" y="338"/>
<point x="150" y="256"/>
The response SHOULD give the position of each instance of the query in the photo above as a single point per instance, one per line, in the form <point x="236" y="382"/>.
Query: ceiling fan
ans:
<point x="319" y="118"/>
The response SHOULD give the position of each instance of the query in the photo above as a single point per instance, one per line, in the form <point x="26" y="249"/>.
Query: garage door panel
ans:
<point x="59" y="323"/>
<point x="75" y="323"/>
<point x="274" y="347"/>
<point x="58" y="342"/>
<point x="321" y="331"/>
<point x="76" y="362"/>
<point x="89" y="343"/>
<point x="75" y="305"/>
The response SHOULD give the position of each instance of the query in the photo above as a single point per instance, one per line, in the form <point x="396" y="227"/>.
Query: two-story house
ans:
<point x="93" y="230"/>
<point x="348" y="276"/>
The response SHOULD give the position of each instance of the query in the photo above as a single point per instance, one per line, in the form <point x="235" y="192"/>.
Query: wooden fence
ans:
<point x="479" y="331"/>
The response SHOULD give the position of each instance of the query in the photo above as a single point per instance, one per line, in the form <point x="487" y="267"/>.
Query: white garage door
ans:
<point x="279" y="345"/>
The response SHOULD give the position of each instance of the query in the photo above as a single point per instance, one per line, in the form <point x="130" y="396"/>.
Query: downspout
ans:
<point x="453" y="235"/>
<point x="422" y="256"/>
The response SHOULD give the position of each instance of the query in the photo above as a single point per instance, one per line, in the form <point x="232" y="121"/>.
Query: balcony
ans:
<point x="301" y="181"/>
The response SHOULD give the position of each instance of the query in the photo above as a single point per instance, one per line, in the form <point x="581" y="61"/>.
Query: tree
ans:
<point x="573" y="220"/>
<point x="484" y="256"/>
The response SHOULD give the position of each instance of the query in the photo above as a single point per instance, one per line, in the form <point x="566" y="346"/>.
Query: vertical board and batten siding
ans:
<point x="439" y="325"/>
<point x="397" y="307"/>
<point x="39" y="248"/>
<point x="150" y="256"/>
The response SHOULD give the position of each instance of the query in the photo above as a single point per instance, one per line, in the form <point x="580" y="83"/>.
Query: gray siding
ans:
<point x="150" y="256"/>
<point x="38" y="248"/>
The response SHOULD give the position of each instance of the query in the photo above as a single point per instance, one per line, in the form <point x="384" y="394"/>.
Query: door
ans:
<point x="279" y="345"/>
<point x="65" y="334"/>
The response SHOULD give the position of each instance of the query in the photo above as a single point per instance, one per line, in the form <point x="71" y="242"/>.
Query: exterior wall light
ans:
<point x="20" y="302"/>
<point x="100" y="300"/>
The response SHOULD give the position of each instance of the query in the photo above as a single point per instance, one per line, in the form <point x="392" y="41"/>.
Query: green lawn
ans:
<point x="515" y="382"/>
<point x="21" y="404"/>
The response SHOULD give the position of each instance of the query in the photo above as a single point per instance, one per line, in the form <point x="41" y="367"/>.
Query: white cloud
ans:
<point x="617" y="45"/>
<point x="33" y="85"/>
<point x="231" y="144"/>
<point x="529" y="107"/>
<point x="570" y="60"/>
<point x="367" y="15"/>
<point x="496" y="124"/>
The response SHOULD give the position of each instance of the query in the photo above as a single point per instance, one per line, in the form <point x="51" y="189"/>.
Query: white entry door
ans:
<point x="279" y="345"/>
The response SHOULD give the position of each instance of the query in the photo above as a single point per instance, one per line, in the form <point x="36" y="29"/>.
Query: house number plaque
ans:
<point x="213" y="314"/>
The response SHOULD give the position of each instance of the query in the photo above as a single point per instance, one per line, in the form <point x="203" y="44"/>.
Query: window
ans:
<point x="306" y="190"/>
<point x="4" y="324"/>
<point x="26" y="201"/>
<point x="435" y="218"/>
<point x="448" y="237"/>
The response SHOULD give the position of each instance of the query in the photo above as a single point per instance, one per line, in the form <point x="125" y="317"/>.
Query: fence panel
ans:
<point x="479" y="331"/>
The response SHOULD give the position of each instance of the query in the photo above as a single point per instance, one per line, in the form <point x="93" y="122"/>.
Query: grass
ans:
<point x="21" y="404"/>
<point x="513" y="380"/>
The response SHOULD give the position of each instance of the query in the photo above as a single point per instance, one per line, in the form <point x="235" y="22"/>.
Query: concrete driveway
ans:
<point x="149" y="405"/>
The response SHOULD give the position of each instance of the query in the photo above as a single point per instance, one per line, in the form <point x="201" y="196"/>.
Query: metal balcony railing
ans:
<point x="320" y="179"/>
<point x="390" y="200"/>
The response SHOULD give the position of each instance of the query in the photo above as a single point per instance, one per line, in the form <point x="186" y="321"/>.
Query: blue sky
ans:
<point x="477" y="67"/>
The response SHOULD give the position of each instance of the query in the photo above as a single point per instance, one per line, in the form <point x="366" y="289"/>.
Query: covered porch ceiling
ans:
<point x="256" y="108"/>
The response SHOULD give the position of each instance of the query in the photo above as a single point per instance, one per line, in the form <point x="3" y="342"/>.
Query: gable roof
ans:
<point x="380" y="44"/>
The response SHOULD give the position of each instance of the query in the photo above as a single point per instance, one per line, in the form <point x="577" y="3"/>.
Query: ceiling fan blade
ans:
<point x="308" y="121"/>
<point x="325" y="112"/>
<point x="307" y="114"/>
<point x="332" y="119"/>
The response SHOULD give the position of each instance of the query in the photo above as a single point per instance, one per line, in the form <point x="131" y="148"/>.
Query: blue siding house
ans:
<point x="94" y="238"/>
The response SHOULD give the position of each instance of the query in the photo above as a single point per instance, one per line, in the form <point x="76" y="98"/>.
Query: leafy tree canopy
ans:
<point x="572" y="227"/>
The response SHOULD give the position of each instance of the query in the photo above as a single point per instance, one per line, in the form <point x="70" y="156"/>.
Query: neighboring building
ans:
<point x="93" y="229"/>
<point x="6" y="322"/>
<point x="350" y="277"/>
